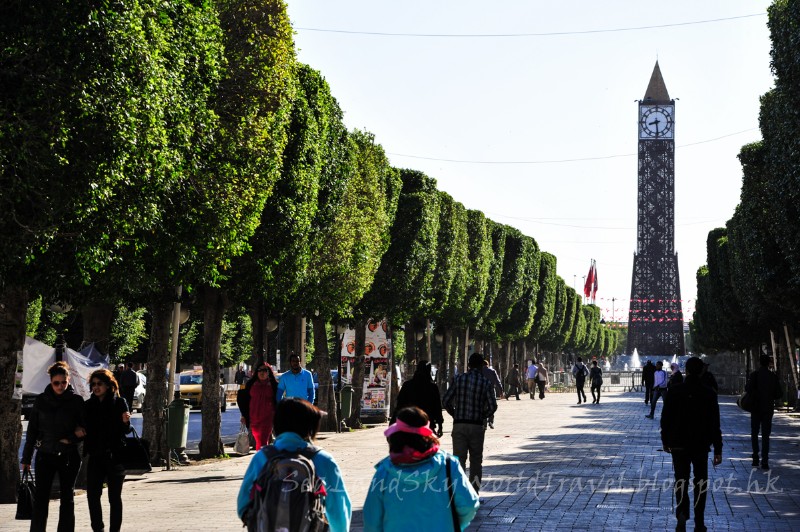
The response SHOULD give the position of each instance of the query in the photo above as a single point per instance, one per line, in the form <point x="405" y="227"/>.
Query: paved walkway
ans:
<point x="549" y="465"/>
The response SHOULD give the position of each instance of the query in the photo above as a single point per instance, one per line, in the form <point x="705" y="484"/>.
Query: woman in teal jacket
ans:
<point x="412" y="482"/>
<point x="296" y="425"/>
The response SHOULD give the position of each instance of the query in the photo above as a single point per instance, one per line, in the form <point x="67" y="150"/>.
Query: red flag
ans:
<point x="594" y="286"/>
<point x="587" y="287"/>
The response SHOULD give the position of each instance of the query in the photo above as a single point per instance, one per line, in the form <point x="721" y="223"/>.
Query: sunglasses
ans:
<point x="263" y="370"/>
<point x="58" y="383"/>
<point x="97" y="383"/>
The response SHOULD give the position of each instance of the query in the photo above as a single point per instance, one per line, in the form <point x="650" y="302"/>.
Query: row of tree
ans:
<point x="749" y="290"/>
<point x="151" y="144"/>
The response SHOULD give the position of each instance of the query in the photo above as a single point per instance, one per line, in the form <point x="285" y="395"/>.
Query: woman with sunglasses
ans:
<point x="257" y="404"/>
<point x="107" y="422"/>
<point x="56" y="426"/>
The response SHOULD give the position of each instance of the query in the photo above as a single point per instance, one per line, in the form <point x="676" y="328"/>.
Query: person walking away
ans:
<point x="257" y="402"/>
<point x="514" y="382"/>
<point x="541" y="379"/>
<point x="298" y="382"/>
<point x="689" y="427"/>
<point x="297" y="423"/>
<point x="425" y="477"/>
<point x="531" y="375"/>
<point x="648" y="379"/>
<point x="57" y="423"/>
<point x="764" y="385"/>
<point x="708" y="378"/>
<point x="108" y="420"/>
<point x="240" y="377"/>
<point x="422" y="392"/>
<point x="596" y="381"/>
<point x="676" y="377"/>
<point x="659" y="388"/>
<point x="470" y="400"/>
<point x="128" y="384"/>
<point x="580" y="372"/>
<point x="497" y="387"/>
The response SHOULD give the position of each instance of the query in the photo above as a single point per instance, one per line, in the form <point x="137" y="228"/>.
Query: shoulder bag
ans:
<point x="133" y="455"/>
<point x="25" y="496"/>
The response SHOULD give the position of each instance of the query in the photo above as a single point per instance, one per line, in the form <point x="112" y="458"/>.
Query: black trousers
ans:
<point x="596" y="389"/>
<point x="47" y="466"/>
<point x="102" y="469"/>
<point x="648" y="393"/>
<point x="512" y="390"/>
<point x="579" y="386"/>
<point x="540" y="385"/>
<point x="684" y="462"/>
<point x="761" y="421"/>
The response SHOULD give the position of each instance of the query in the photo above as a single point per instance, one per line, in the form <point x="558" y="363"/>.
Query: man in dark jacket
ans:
<point x="764" y="386"/>
<point x="648" y="378"/>
<point x="128" y="384"/>
<point x="689" y="426"/>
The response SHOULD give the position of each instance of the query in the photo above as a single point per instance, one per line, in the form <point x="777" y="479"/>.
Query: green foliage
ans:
<point x="477" y="272"/>
<point x="523" y="309"/>
<point x="552" y="340"/>
<point x="402" y="285"/>
<point x="34" y="317"/>
<point x="578" y="329"/>
<point x="511" y="284"/>
<point x="546" y="300"/>
<point x="236" y="344"/>
<point x="450" y="278"/>
<point x="498" y="234"/>
<point x="128" y="332"/>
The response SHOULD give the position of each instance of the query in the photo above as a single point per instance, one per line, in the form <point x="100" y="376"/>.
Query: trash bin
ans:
<point x="178" y="424"/>
<point x="347" y="400"/>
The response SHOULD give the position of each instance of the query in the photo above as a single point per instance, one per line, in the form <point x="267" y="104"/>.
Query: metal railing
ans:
<point x="631" y="381"/>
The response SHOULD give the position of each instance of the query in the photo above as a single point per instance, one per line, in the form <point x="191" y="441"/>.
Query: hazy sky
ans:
<point x="526" y="110"/>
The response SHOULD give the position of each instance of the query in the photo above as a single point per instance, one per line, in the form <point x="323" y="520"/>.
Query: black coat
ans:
<point x="104" y="426"/>
<point x="764" y="384"/>
<point x="423" y="394"/>
<point x="690" y="418"/>
<point x="54" y="418"/>
<point x="649" y="374"/>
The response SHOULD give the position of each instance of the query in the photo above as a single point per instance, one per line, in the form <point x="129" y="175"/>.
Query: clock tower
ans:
<point x="655" y="319"/>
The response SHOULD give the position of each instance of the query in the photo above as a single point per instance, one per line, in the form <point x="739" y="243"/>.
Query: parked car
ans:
<point x="191" y="389"/>
<point x="139" y="393"/>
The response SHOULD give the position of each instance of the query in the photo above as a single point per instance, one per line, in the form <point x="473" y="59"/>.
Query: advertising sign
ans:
<point x="377" y="367"/>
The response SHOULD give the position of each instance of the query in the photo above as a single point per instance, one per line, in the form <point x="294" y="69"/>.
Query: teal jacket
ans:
<point x="414" y="496"/>
<point x="338" y="509"/>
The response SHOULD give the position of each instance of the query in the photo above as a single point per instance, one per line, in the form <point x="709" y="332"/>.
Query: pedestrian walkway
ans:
<point x="549" y="465"/>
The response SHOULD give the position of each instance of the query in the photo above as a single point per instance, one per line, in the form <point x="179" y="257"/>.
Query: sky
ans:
<point x="527" y="111"/>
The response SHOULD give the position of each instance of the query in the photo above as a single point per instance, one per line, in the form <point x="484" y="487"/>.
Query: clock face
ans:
<point x="656" y="122"/>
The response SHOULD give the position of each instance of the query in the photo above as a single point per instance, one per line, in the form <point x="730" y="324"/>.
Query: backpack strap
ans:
<point x="452" y="502"/>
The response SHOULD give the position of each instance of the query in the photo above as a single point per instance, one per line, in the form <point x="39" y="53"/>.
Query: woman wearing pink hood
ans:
<point x="418" y="479"/>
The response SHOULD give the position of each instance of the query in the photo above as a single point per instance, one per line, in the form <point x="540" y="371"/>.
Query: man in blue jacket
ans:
<point x="297" y="382"/>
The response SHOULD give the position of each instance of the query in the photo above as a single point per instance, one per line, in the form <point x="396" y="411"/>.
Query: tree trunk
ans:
<point x="13" y="311"/>
<point x="466" y="348"/>
<point x="215" y="303"/>
<point x="428" y="331"/>
<point x="394" y="386"/>
<point x="354" y="421"/>
<point x="153" y="414"/>
<point x="97" y="318"/>
<point x="411" y="348"/>
<point x="326" y="399"/>
<point x="792" y="366"/>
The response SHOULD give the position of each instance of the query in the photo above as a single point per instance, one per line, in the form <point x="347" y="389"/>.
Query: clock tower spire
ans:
<point x="655" y="320"/>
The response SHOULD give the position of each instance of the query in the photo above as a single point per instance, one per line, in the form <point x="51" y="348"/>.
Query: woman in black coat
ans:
<point x="56" y="425"/>
<point x="107" y="422"/>
<point x="423" y="393"/>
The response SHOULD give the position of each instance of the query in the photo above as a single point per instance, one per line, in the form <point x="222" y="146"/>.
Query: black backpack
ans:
<point x="287" y="494"/>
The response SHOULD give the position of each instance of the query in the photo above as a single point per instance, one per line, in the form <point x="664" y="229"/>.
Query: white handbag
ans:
<point x="242" y="445"/>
